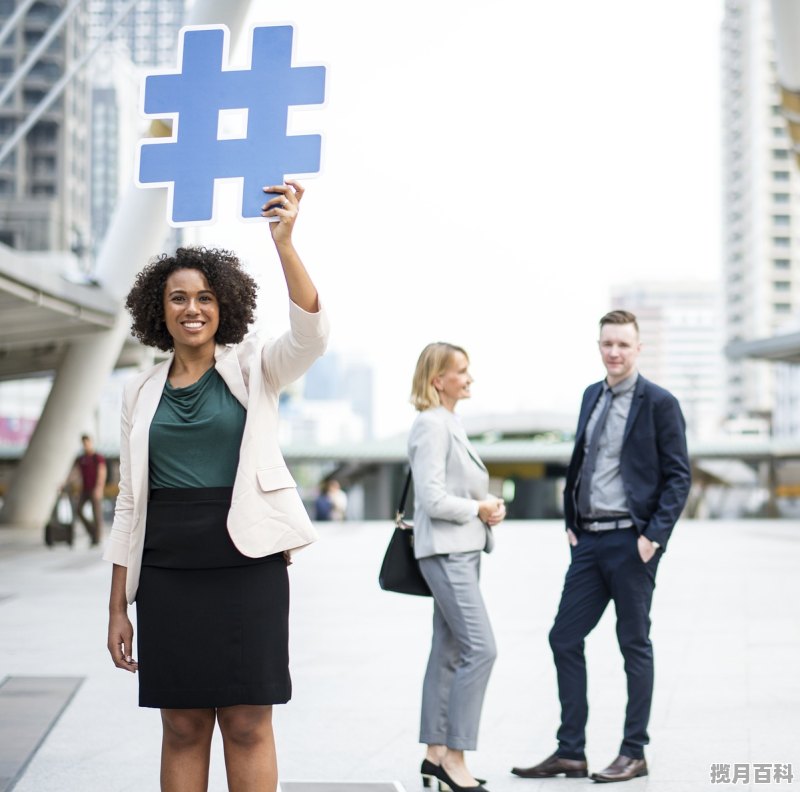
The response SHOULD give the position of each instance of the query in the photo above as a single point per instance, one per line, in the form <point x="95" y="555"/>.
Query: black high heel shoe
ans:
<point x="428" y="771"/>
<point x="430" y="779"/>
<point x="447" y="783"/>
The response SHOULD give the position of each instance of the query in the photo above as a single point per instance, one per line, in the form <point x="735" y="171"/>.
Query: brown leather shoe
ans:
<point x="554" y="765"/>
<point x="623" y="768"/>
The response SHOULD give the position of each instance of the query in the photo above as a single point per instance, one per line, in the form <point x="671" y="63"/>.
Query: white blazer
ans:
<point x="449" y="480"/>
<point x="266" y="514"/>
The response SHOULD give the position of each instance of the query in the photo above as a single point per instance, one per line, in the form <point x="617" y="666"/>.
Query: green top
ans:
<point x="195" y="435"/>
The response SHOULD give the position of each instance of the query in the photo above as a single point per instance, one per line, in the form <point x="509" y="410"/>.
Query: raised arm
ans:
<point x="284" y="206"/>
<point x="290" y="356"/>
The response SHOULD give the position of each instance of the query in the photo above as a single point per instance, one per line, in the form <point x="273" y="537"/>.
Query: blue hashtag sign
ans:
<point x="190" y="161"/>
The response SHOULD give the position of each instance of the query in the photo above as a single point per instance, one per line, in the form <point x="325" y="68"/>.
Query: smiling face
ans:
<point x="455" y="382"/>
<point x="619" y="348"/>
<point x="191" y="310"/>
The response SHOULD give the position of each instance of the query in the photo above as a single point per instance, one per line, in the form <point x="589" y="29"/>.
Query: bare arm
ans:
<point x="120" y="629"/>
<point x="284" y="205"/>
<point x="102" y="475"/>
<point x="290" y="356"/>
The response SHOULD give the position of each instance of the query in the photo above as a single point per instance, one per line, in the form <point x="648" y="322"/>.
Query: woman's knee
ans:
<point x="488" y="652"/>
<point x="481" y="653"/>
<point x="187" y="727"/>
<point x="245" y="724"/>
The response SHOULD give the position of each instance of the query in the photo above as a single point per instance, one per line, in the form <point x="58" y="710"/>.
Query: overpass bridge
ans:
<point x="529" y="472"/>
<point x="534" y="470"/>
<point x="393" y="450"/>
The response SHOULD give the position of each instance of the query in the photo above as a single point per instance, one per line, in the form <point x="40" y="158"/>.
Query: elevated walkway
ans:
<point x="41" y="312"/>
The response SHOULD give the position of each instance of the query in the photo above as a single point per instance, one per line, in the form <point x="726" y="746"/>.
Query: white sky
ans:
<point x="489" y="170"/>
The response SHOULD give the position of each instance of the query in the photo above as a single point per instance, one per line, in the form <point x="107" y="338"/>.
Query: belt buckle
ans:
<point x="599" y="526"/>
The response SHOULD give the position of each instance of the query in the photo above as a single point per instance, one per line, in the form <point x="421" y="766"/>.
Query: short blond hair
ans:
<point x="433" y="361"/>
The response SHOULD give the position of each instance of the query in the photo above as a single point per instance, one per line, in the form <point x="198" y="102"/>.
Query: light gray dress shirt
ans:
<point x="607" y="494"/>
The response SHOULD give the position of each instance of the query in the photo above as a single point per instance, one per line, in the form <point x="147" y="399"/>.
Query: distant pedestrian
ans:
<point x="93" y="472"/>
<point x="453" y="518"/>
<point x="331" y="503"/>
<point x="207" y="511"/>
<point x="338" y="499"/>
<point x="323" y="505"/>
<point x="627" y="483"/>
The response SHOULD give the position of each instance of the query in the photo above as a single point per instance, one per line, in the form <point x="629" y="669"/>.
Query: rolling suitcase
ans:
<point x="60" y="527"/>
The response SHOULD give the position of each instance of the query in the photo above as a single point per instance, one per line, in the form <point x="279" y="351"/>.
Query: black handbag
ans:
<point x="400" y="570"/>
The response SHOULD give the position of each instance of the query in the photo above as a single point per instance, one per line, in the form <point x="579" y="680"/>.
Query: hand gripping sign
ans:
<point x="202" y="96"/>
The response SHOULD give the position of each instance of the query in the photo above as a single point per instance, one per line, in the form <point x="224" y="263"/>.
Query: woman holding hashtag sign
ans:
<point x="207" y="512"/>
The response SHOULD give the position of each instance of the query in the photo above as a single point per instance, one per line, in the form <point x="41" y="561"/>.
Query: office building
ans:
<point x="147" y="37"/>
<point x="761" y="207"/>
<point x="149" y="32"/>
<point x="44" y="184"/>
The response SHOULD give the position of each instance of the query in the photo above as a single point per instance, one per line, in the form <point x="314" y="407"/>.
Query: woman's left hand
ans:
<point x="284" y="204"/>
<point x="498" y="515"/>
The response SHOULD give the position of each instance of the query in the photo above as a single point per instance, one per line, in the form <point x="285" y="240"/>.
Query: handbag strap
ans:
<point x="401" y="507"/>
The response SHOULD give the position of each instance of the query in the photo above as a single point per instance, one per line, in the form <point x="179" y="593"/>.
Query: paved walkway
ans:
<point x="726" y="629"/>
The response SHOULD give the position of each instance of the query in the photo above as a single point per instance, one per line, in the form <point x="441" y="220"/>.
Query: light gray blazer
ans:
<point x="266" y="514"/>
<point x="449" y="480"/>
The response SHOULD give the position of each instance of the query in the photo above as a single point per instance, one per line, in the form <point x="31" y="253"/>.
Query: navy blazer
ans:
<point x="654" y="462"/>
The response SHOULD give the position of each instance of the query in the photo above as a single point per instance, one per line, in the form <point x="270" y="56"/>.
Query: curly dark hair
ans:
<point x="234" y="288"/>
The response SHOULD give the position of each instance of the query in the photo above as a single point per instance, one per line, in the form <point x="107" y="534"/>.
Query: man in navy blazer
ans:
<point x="626" y="487"/>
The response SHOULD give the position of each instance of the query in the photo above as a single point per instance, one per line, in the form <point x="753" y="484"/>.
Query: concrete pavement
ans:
<point x="726" y="630"/>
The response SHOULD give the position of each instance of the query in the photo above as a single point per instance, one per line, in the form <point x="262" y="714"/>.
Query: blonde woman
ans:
<point x="453" y="518"/>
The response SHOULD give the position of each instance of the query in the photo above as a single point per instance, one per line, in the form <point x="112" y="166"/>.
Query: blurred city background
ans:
<point x="497" y="175"/>
<point x="679" y="144"/>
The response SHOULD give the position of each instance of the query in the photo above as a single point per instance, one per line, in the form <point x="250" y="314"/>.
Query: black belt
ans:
<point x="606" y="524"/>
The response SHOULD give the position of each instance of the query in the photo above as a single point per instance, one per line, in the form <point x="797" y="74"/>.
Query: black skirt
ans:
<point x="212" y="624"/>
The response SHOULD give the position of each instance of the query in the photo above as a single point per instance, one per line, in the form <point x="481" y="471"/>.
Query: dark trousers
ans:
<point x="605" y="566"/>
<point x="94" y="527"/>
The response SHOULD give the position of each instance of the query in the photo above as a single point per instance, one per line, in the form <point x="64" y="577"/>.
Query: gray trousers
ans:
<point x="462" y="652"/>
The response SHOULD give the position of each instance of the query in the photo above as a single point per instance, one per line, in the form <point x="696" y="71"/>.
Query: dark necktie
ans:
<point x="590" y="460"/>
